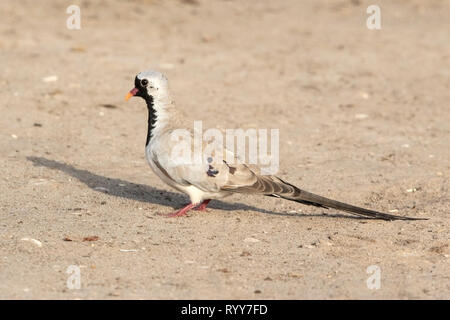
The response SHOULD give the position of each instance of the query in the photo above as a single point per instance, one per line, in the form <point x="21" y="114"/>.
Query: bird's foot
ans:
<point x="203" y="205"/>
<point x="179" y="213"/>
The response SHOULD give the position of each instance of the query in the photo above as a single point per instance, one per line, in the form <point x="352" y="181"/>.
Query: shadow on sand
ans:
<point x="148" y="194"/>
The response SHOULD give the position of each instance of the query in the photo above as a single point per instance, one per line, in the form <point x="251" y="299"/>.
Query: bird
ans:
<point x="204" y="180"/>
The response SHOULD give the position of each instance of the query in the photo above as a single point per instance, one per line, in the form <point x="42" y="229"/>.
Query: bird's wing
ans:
<point x="209" y="176"/>
<point x="181" y="166"/>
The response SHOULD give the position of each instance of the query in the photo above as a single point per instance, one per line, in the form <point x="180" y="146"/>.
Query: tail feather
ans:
<point x="244" y="180"/>
<point x="308" y="198"/>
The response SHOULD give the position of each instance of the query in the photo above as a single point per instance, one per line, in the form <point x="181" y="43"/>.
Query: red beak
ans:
<point x="131" y="93"/>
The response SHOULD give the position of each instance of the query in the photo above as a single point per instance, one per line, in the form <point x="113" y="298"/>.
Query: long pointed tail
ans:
<point x="275" y="187"/>
<point x="309" y="198"/>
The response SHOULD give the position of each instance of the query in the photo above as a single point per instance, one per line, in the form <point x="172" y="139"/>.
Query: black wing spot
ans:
<point x="231" y="169"/>
<point x="211" y="172"/>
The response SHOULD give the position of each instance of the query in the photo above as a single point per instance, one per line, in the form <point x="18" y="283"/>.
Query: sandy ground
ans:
<point x="363" y="118"/>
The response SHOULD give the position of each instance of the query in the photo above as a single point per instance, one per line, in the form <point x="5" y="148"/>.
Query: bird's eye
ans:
<point x="144" y="82"/>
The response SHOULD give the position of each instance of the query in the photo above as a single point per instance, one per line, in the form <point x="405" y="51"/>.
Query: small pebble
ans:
<point x="361" y="116"/>
<point x="365" y="95"/>
<point x="50" y="79"/>
<point x="36" y="242"/>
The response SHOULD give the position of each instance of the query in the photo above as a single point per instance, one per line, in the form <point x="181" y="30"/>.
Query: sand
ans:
<point x="363" y="116"/>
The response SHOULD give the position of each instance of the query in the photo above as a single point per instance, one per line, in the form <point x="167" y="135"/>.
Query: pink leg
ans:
<point x="202" y="206"/>
<point x="180" y="212"/>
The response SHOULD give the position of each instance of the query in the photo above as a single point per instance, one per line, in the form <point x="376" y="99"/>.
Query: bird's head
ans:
<point x="149" y="85"/>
